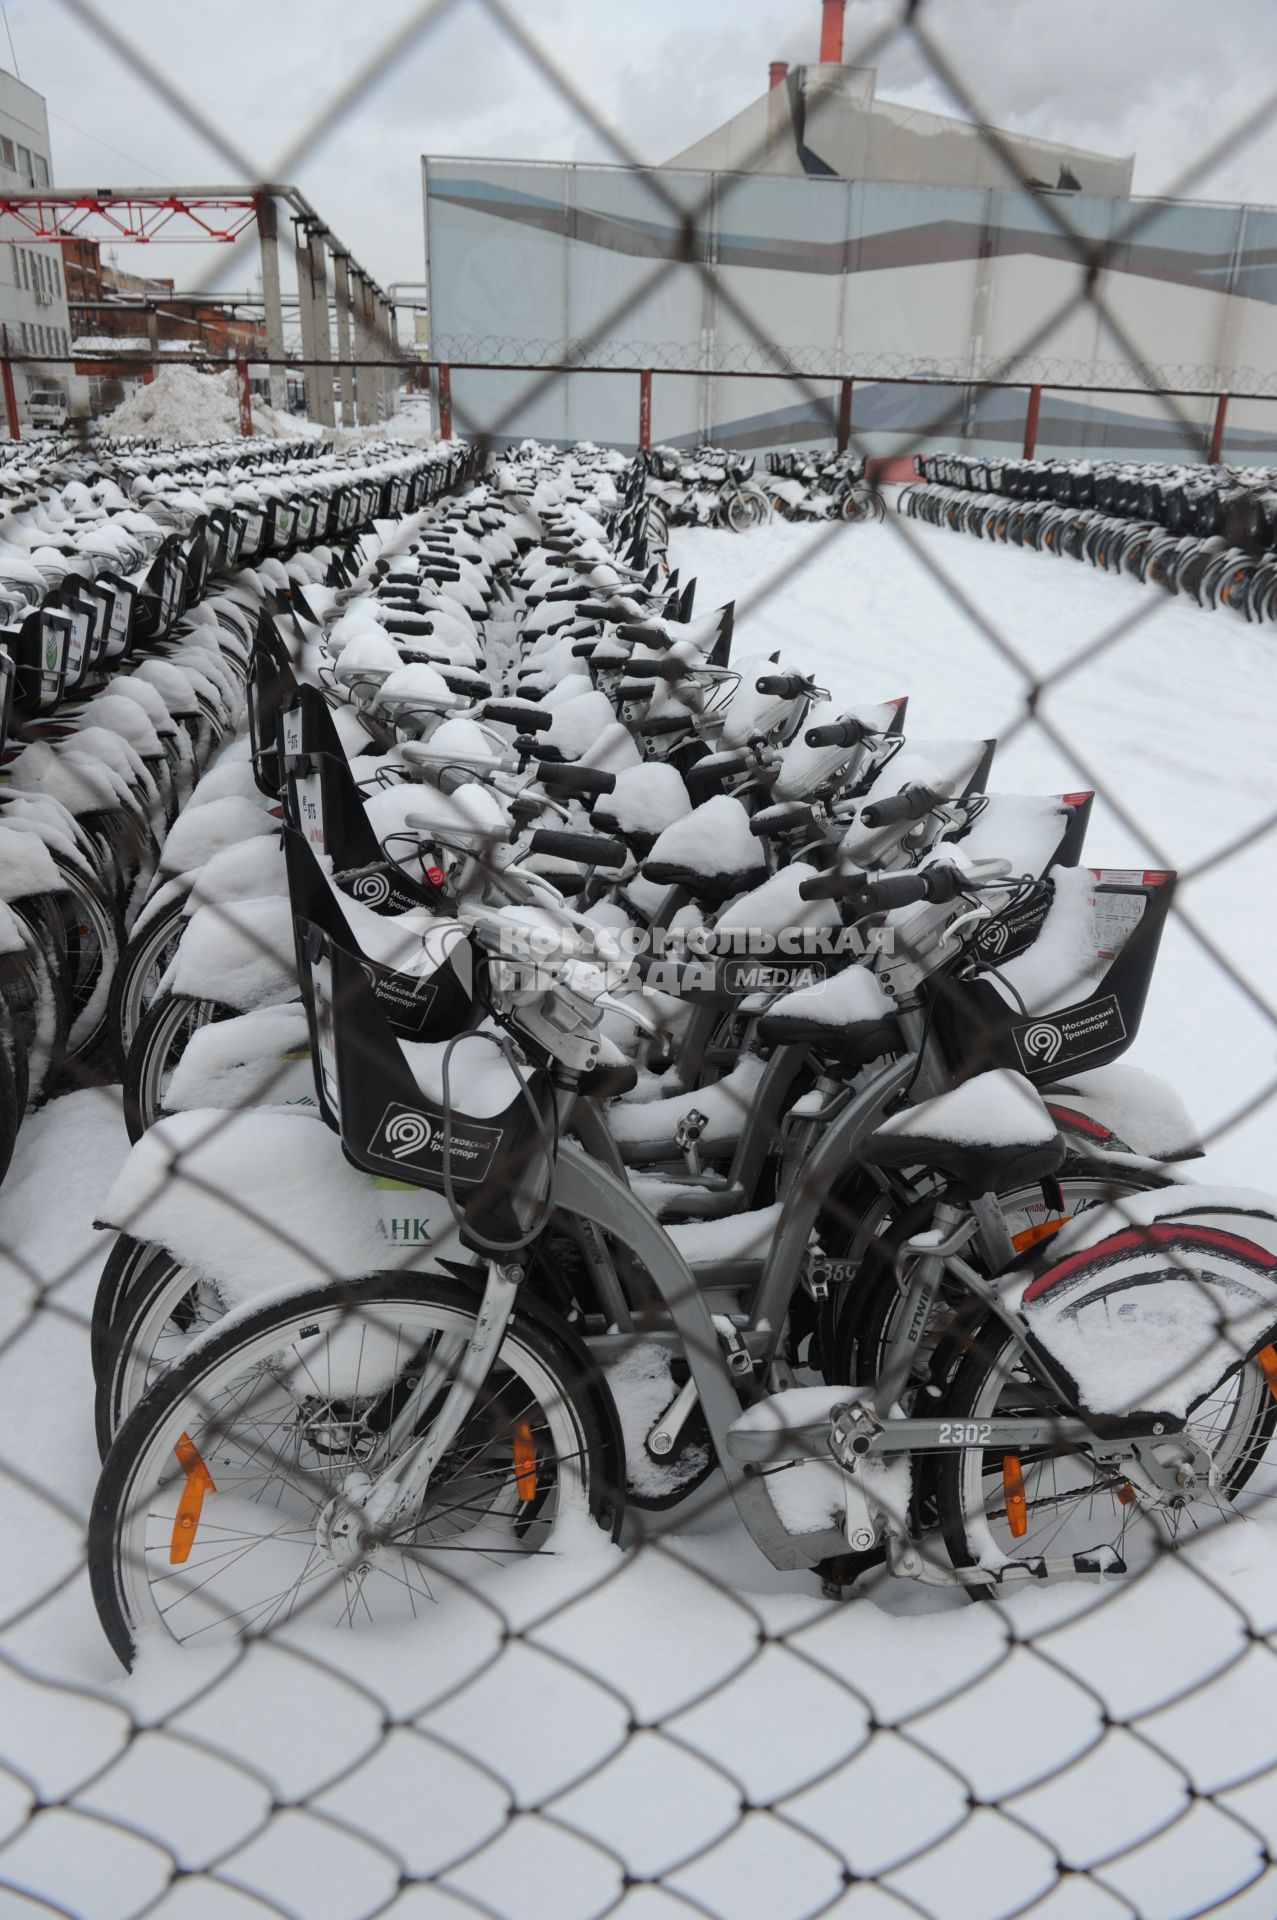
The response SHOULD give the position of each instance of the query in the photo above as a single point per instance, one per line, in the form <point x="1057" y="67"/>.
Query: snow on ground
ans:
<point x="558" y="1733"/>
<point x="1171" y="723"/>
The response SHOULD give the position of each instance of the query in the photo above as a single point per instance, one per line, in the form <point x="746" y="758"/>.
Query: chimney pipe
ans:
<point x="777" y="74"/>
<point x="831" y="32"/>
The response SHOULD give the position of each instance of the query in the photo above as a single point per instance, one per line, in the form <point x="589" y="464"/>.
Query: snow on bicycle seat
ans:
<point x="710" y="851"/>
<point x="989" y="1134"/>
<point x="847" y="1018"/>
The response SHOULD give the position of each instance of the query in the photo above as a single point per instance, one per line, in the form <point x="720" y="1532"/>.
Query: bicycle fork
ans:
<point x="366" y="1511"/>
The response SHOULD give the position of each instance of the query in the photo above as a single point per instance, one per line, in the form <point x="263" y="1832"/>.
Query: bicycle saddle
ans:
<point x="847" y="1019"/>
<point x="989" y="1134"/>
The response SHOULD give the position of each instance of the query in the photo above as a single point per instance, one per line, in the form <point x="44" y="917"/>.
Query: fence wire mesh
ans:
<point x="603" y="1675"/>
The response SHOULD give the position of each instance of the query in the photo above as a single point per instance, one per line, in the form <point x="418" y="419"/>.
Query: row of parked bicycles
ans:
<point x="1207" y="532"/>
<point x="129" y="611"/>
<point x="713" y="487"/>
<point x="602" y="1060"/>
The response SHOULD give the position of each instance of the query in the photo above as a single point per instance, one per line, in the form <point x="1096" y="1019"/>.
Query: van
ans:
<point x="47" y="407"/>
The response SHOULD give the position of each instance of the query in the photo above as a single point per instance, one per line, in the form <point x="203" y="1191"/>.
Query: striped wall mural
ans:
<point x="607" y="266"/>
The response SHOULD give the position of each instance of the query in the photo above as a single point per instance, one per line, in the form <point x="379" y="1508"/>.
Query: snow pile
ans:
<point x="181" y="404"/>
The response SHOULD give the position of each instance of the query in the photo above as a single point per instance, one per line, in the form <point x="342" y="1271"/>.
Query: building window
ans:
<point x="26" y="344"/>
<point x="41" y="170"/>
<point x="24" y="165"/>
<point x="7" y="154"/>
<point x="22" y="268"/>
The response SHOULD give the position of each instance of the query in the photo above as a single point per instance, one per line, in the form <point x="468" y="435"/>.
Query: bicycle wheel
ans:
<point x="158" y="1045"/>
<point x="213" y="1518"/>
<point x="10" y="1113"/>
<point x="746" y="508"/>
<point x="1057" y="1507"/>
<point x="163" y="1307"/>
<point x="143" y="965"/>
<point x="93" y="939"/>
<point x="120" y="1270"/>
<point x="52" y="1013"/>
<point x="870" y="1320"/>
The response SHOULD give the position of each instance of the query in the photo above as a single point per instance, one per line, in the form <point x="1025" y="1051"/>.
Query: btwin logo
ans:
<point x="1041" y="1042"/>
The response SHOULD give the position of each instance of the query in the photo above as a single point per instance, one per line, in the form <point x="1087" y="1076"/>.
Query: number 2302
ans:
<point x="964" y="1433"/>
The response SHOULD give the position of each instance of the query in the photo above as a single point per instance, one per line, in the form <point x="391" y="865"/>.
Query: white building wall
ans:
<point x="33" y="302"/>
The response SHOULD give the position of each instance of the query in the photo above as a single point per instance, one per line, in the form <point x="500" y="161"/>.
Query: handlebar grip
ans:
<point x="649" y="636"/>
<point x="589" y="849"/>
<point x="669" y="668"/>
<point x="635" y="689"/>
<point x="528" y="719"/>
<point x="783" y="819"/>
<point x="896" y="890"/>
<point x="563" y="778"/>
<point x="911" y="803"/>
<point x="597" y="610"/>
<point x="937" y="884"/>
<point x="837" y="733"/>
<point x="829" y="886"/>
<point x="786" y="686"/>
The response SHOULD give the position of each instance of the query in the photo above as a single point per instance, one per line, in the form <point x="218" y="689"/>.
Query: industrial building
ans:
<point x="33" y="304"/>
<point x="826" y="264"/>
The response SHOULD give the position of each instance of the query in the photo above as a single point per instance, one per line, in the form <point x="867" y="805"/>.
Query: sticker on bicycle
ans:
<point x="1010" y="933"/>
<point x="291" y="726"/>
<point x="406" y="1137"/>
<point x="310" y="809"/>
<point x="404" y="998"/>
<point x="1070" y="1035"/>
<point x="964" y="1433"/>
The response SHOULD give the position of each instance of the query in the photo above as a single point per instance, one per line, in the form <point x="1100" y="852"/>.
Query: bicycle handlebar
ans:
<point x="516" y="713"/>
<point x="785" y="686"/>
<point x="563" y="777"/>
<point x="589" y="849"/>
<point x="876" y="893"/>
<point x="838" y="733"/>
<point x="913" y="802"/>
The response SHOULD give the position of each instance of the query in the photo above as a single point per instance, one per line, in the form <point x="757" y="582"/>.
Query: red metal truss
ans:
<point x="126" y="215"/>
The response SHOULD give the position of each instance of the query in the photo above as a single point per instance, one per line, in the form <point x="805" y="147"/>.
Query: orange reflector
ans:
<point x="1031" y="1235"/>
<point x="1013" y="1488"/>
<point x="1126" y="1494"/>
<point x="1267" y="1358"/>
<point x="199" y="1481"/>
<point x="525" y="1461"/>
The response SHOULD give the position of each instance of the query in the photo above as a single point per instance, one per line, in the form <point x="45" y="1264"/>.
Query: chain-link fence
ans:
<point x="835" y="1481"/>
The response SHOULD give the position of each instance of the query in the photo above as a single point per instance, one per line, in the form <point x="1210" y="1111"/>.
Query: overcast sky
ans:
<point x="1161" y="78"/>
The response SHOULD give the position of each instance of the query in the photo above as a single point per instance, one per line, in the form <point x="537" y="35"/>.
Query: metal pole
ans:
<point x="844" y="412"/>
<point x="345" y="373"/>
<point x="306" y="318"/>
<point x="245" y="400"/>
<point x="365" y="411"/>
<point x="153" y="341"/>
<point x="10" y="393"/>
<point x="645" y="409"/>
<point x="445" y="400"/>
<point x="393" y="375"/>
<point x="1217" y="431"/>
<point x="319" y="320"/>
<point x="272" y="300"/>
<point x="374" y="353"/>
<point x="1031" y="421"/>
